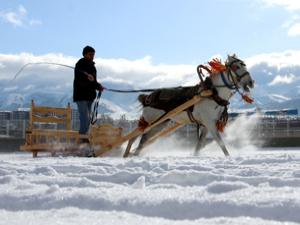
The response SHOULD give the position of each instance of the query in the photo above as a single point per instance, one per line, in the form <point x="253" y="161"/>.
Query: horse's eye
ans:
<point x="235" y="67"/>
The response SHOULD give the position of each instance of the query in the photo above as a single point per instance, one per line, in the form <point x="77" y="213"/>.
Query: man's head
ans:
<point x="88" y="52"/>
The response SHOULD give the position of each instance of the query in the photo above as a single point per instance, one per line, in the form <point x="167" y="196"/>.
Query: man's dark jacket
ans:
<point x="83" y="89"/>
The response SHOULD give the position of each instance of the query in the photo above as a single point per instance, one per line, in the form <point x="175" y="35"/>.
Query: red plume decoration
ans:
<point x="247" y="99"/>
<point x="217" y="66"/>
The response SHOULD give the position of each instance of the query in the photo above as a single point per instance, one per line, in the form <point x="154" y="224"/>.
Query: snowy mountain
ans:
<point x="15" y="97"/>
<point x="277" y="79"/>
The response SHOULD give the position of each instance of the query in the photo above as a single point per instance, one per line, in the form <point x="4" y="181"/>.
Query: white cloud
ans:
<point x="294" y="30"/>
<point x="13" y="88"/>
<point x="18" y="17"/>
<point x="283" y="79"/>
<point x="291" y="5"/>
<point x="140" y="73"/>
<point x="29" y="87"/>
<point x="279" y="98"/>
<point x="278" y="60"/>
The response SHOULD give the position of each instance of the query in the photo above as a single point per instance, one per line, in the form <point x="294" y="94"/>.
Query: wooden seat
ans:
<point x="49" y="128"/>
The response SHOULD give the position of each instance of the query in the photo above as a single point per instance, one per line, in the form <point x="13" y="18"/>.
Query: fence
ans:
<point x="13" y="128"/>
<point x="268" y="127"/>
<point x="279" y="127"/>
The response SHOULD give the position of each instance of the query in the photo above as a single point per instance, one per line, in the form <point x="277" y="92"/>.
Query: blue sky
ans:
<point x="169" y="31"/>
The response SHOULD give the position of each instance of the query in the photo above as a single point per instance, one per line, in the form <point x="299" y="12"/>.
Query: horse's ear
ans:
<point x="232" y="55"/>
<point x="228" y="58"/>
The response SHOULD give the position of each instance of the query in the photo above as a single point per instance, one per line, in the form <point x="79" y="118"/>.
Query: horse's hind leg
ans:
<point x="201" y="139"/>
<point x="147" y="136"/>
<point x="130" y="142"/>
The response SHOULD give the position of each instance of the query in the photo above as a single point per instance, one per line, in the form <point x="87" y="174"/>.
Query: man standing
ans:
<point x="84" y="87"/>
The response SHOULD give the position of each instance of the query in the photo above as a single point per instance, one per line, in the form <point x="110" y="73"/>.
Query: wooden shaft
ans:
<point x="138" y="131"/>
<point x="163" y="133"/>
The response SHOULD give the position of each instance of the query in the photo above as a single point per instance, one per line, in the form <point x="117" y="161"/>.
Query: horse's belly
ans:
<point x="182" y="118"/>
<point x="151" y="114"/>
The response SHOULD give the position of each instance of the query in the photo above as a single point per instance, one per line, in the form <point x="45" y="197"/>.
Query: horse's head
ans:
<point x="240" y="75"/>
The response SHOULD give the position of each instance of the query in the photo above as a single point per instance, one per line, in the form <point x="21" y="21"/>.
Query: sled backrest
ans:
<point x="57" y="118"/>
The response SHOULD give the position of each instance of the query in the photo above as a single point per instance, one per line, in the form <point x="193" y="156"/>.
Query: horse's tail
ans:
<point x="142" y="98"/>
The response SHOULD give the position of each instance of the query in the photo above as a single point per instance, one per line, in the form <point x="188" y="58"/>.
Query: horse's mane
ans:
<point x="216" y="66"/>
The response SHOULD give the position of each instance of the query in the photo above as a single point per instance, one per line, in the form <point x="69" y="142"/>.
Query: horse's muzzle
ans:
<point x="249" y="85"/>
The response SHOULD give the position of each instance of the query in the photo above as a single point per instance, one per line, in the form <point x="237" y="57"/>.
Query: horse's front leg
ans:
<point x="220" y="142"/>
<point x="217" y="137"/>
<point x="201" y="136"/>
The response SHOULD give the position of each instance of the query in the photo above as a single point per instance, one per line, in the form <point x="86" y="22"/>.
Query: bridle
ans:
<point x="234" y="78"/>
<point x="232" y="68"/>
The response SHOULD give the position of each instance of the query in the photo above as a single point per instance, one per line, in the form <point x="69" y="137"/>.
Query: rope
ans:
<point x="130" y="91"/>
<point x="72" y="67"/>
<point x="38" y="63"/>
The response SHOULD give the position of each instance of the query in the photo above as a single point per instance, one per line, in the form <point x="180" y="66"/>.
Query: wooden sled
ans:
<point x="102" y="138"/>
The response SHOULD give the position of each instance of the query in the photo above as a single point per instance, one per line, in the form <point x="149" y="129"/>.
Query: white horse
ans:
<point x="207" y="111"/>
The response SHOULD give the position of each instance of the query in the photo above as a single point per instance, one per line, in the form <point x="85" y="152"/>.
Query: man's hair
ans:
<point x="87" y="49"/>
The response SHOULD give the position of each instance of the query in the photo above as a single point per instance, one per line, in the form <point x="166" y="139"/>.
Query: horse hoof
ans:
<point x="130" y="155"/>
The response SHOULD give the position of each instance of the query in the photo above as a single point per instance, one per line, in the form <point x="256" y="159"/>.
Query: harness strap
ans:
<point x="94" y="115"/>
<point x="222" y="121"/>
<point x="230" y="86"/>
<point x="191" y="117"/>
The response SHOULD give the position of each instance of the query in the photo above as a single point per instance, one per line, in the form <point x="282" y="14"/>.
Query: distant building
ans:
<point x="14" y="115"/>
<point x="281" y="112"/>
<point x="268" y="112"/>
<point x="5" y="115"/>
<point x="20" y="115"/>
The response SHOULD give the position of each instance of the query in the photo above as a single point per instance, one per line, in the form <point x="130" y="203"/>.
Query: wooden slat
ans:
<point x="44" y="147"/>
<point x="69" y="118"/>
<point x="39" y="147"/>
<point x="44" y="110"/>
<point x="104" y="134"/>
<point x="50" y="119"/>
<point x="57" y="132"/>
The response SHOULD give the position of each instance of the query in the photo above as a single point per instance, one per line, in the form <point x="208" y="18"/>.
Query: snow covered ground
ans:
<point x="252" y="187"/>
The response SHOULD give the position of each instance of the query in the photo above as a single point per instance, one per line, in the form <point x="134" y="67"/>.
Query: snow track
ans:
<point x="259" y="188"/>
